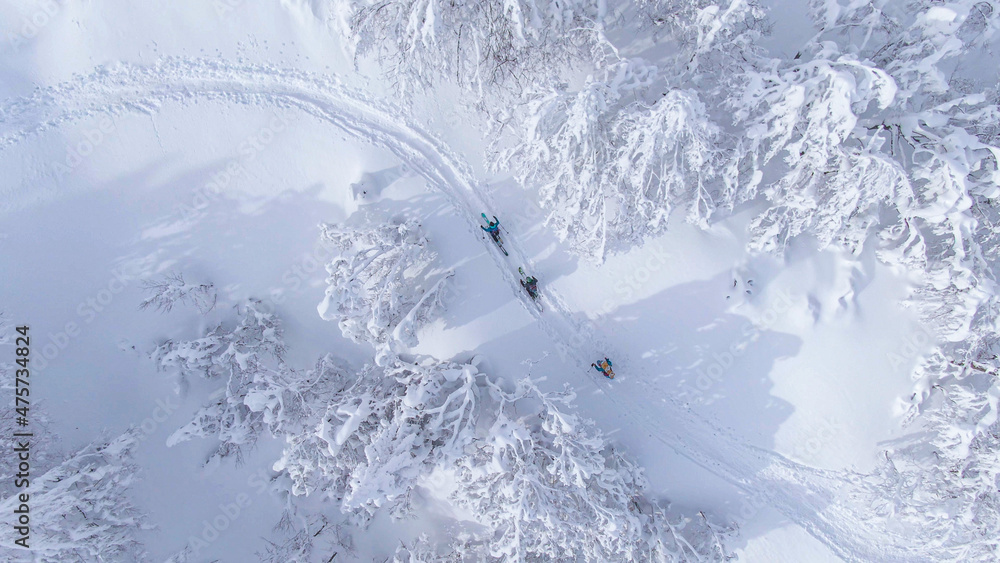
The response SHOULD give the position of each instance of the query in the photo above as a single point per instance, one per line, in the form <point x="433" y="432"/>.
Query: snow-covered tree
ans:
<point x="830" y="184"/>
<point x="221" y="352"/>
<point x="877" y="128"/>
<point x="291" y="402"/>
<point x="172" y="289"/>
<point x="548" y="486"/>
<point x="541" y="481"/>
<point x="307" y="539"/>
<point x="423" y="550"/>
<point x="943" y="490"/>
<point x="709" y="35"/>
<point x="378" y="285"/>
<point x="613" y="158"/>
<point x="240" y="355"/>
<point x="80" y="509"/>
<point x="609" y="168"/>
<point x="378" y="435"/>
<point x="862" y="121"/>
<point x="486" y="47"/>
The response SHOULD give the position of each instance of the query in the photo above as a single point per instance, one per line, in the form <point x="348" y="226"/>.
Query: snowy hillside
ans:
<point x="415" y="280"/>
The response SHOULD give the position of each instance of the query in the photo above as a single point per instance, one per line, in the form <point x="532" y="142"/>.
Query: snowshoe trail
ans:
<point x="814" y="499"/>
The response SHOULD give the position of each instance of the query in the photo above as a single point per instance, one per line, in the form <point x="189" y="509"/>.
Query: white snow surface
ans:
<point x="757" y="390"/>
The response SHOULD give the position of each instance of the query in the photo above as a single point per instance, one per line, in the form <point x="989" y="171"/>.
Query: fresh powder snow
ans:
<point x="251" y="310"/>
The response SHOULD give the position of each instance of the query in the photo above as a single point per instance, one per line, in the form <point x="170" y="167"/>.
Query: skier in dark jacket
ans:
<point x="531" y="284"/>
<point x="605" y="368"/>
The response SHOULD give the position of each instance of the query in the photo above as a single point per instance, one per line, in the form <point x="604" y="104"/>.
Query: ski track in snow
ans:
<point x="817" y="500"/>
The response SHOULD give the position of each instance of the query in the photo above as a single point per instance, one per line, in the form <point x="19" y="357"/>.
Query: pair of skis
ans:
<point x="605" y="369"/>
<point x="495" y="235"/>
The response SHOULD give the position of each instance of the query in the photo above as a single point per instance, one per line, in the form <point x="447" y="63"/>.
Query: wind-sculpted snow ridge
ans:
<point x="815" y="499"/>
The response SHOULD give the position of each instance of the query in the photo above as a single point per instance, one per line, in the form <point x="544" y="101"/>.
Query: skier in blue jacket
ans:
<point x="605" y="368"/>
<point x="494" y="227"/>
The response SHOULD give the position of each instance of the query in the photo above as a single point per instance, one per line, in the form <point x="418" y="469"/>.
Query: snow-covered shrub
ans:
<point x="241" y="355"/>
<point x="45" y="451"/>
<point x="221" y="352"/>
<point x="377" y="286"/>
<point x="483" y="46"/>
<point x="80" y="509"/>
<point x="423" y="550"/>
<point x="172" y="289"/>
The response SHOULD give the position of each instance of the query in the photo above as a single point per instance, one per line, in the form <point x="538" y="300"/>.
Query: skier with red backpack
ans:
<point x="604" y="367"/>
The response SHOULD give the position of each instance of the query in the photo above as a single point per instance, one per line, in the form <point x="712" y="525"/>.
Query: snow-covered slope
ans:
<point x="213" y="140"/>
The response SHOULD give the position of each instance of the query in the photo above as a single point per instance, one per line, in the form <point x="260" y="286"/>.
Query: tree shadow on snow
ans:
<point x="696" y="352"/>
<point x="266" y="246"/>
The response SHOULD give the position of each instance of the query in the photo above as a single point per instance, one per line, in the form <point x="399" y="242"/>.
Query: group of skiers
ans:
<point x="530" y="284"/>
